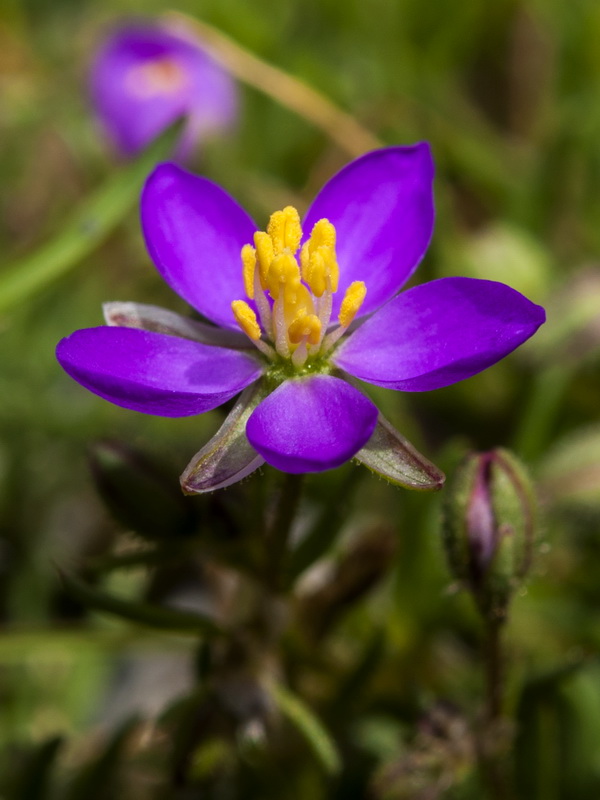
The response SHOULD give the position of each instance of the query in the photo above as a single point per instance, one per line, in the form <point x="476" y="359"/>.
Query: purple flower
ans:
<point x="321" y="313"/>
<point x="146" y="76"/>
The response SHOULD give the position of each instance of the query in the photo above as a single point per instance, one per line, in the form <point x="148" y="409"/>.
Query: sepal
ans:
<point x="160" y="320"/>
<point x="390" y="455"/>
<point x="228" y="456"/>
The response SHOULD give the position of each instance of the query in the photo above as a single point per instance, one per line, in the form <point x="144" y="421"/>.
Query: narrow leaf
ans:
<point x="228" y="457"/>
<point x="86" y="229"/>
<point x="389" y="454"/>
<point x="308" y="724"/>
<point x="143" y="613"/>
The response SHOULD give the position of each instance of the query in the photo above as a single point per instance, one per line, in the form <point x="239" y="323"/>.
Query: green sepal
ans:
<point x="228" y="456"/>
<point x="391" y="456"/>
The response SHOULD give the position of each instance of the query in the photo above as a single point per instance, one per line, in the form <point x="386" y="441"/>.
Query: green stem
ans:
<point x="492" y="753"/>
<point x="493" y="671"/>
<point x="278" y="532"/>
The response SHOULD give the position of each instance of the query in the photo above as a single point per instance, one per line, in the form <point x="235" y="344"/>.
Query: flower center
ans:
<point x="293" y="296"/>
<point x="155" y="77"/>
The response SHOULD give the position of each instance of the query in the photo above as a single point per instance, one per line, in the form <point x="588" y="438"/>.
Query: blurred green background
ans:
<point x="508" y="95"/>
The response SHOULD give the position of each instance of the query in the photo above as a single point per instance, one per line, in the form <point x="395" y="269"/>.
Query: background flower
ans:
<point x="146" y="75"/>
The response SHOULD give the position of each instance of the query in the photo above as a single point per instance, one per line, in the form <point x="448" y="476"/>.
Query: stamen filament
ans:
<point x="262" y="303"/>
<point x="353" y="300"/>
<point x="324" y="307"/>
<point x="265" y="348"/>
<point x="300" y="354"/>
<point x="280" y="328"/>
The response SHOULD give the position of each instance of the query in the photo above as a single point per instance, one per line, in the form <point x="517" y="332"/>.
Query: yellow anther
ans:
<point x="284" y="273"/>
<point x="307" y="326"/>
<point x="285" y="230"/>
<point x="302" y="305"/>
<point x="317" y="258"/>
<point x="264" y="254"/>
<point x="353" y="300"/>
<point x="305" y="260"/>
<point x="249" y="266"/>
<point x="323" y="234"/>
<point x="317" y="266"/>
<point x="246" y="319"/>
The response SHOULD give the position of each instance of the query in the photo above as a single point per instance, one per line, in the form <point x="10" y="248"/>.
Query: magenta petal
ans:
<point x="439" y="333"/>
<point x="194" y="233"/>
<point x="382" y="208"/>
<point x="153" y="372"/>
<point x="311" y="424"/>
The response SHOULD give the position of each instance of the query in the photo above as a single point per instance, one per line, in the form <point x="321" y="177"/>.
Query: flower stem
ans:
<point x="492" y="747"/>
<point x="278" y="532"/>
<point x="493" y="670"/>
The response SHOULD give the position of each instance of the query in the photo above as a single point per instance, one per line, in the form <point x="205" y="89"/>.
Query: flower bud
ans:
<point x="489" y="526"/>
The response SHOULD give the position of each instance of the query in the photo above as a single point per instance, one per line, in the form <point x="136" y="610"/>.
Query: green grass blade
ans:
<point x="309" y="726"/>
<point x="85" y="230"/>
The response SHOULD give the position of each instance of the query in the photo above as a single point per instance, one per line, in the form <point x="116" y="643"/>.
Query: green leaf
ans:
<point x="87" y="228"/>
<point x="390" y="455"/>
<point x="143" y="613"/>
<point x="305" y="721"/>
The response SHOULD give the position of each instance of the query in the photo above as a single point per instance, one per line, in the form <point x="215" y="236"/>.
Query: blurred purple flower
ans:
<point x="146" y="75"/>
<point x="361" y="240"/>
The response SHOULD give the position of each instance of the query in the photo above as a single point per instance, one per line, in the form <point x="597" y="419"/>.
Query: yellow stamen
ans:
<point x="246" y="319"/>
<point x="318" y="261"/>
<point x="353" y="300"/>
<point x="285" y="230"/>
<point x="249" y="266"/>
<point x="293" y="290"/>
<point x="323" y="234"/>
<point x="264" y="254"/>
<point x="284" y="273"/>
<point x="307" y="326"/>
<point x="302" y="305"/>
